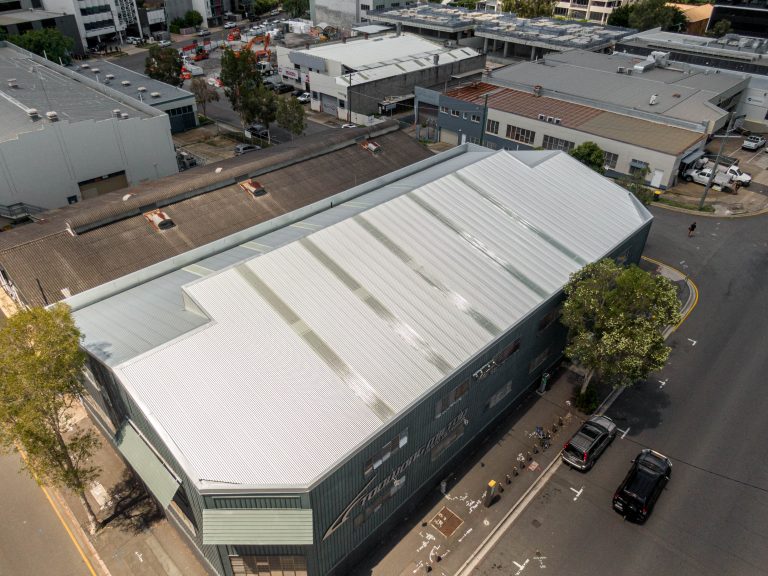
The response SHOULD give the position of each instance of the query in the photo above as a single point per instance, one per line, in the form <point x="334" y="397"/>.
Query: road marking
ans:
<point x="61" y="519"/>
<point x="540" y="559"/>
<point x="623" y="432"/>
<point x="577" y="492"/>
<point x="663" y="383"/>
<point x="521" y="567"/>
<point x="139" y="557"/>
<point x="693" y="342"/>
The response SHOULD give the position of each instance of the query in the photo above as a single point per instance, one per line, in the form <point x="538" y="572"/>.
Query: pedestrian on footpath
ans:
<point x="691" y="229"/>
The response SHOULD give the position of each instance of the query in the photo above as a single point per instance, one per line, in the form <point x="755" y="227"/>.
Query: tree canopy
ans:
<point x="719" y="28"/>
<point x="647" y="14"/>
<point x="164" y="64"/>
<point x="40" y="381"/>
<point x="590" y="154"/>
<point x="296" y="8"/>
<point x="291" y="115"/>
<point x="193" y="18"/>
<point x="529" y="8"/>
<point x="48" y="43"/>
<point x="240" y="77"/>
<point x="615" y="317"/>
<point x="204" y="93"/>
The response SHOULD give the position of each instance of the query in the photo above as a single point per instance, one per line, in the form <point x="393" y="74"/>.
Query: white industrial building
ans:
<point x="357" y="79"/>
<point x="96" y="19"/>
<point x="289" y="393"/>
<point x="65" y="137"/>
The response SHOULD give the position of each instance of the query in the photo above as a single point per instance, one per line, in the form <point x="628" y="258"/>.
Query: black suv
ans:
<point x="636" y="495"/>
<point x="588" y="443"/>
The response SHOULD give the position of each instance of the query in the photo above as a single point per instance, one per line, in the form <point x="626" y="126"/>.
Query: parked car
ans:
<point x="720" y="179"/>
<point x="298" y="92"/>
<point x="304" y="98"/>
<point x="753" y="142"/>
<point x="637" y="494"/>
<point x="164" y="43"/>
<point x="204" y="32"/>
<point x="241" y="149"/>
<point x="349" y="125"/>
<point x="258" y="130"/>
<point x="280" y="88"/>
<point x="583" y="450"/>
<point x="229" y="25"/>
<point x="135" y="40"/>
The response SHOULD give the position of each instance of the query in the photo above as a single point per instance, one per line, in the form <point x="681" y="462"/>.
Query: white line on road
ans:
<point x="521" y="567"/>
<point x="623" y="432"/>
<point x="693" y="342"/>
<point x="663" y="383"/>
<point x="577" y="492"/>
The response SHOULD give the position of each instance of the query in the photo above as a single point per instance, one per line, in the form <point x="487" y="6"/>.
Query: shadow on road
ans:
<point x="133" y="510"/>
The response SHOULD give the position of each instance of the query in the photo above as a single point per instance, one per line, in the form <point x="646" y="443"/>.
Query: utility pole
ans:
<point x="728" y="129"/>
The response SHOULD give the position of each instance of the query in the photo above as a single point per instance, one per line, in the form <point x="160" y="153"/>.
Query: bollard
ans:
<point x="508" y="479"/>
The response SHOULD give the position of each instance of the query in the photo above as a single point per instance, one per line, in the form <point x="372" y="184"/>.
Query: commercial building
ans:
<point x="696" y="17"/>
<point x="179" y="104"/>
<point x="503" y="35"/>
<point x="97" y="20"/>
<point x="54" y="258"/>
<point x="593" y="10"/>
<point x="362" y="77"/>
<point x="19" y="21"/>
<point x="66" y="138"/>
<point x="347" y="13"/>
<point x="291" y="392"/>
<point x="749" y="18"/>
<point x="504" y="118"/>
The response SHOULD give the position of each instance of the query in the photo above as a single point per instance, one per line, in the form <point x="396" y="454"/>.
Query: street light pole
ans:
<point x="717" y="159"/>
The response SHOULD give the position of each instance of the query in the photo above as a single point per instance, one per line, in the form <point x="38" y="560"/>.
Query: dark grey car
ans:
<point x="589" y="442"/>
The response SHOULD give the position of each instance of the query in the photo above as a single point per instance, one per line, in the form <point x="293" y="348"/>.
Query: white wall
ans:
<point x="754" y="101"/>
<point x="43" y="168"/>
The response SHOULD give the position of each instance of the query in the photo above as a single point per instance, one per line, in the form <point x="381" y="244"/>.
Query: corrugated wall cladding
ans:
<point x="256" y="503"/>
<point x="257" y="527"/>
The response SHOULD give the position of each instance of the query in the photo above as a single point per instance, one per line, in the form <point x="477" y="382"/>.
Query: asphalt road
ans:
<point x="707" y="410"/>
<point x="32" y="540"/>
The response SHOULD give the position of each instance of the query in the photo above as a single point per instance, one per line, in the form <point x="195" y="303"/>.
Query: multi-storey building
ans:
<point x="748" y="17"/>
<point x="96" y="19"/>
<point x="596" y="11"/>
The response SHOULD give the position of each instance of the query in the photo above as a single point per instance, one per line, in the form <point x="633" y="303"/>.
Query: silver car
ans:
<point x="589" y="442"/>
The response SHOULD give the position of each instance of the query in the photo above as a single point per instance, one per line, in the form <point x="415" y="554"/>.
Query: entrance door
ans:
<point x="658" y="175"/>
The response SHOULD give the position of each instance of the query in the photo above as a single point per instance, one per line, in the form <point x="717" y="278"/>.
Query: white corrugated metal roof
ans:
<point x="346" y="327"/>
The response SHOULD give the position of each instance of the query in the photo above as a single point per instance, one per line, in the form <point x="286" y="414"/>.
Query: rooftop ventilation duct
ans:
<point x="85" y="66"/>
<point x="654" y="99"/>
<point x="155" y="94"/>
<point x="253" y="187"/>
<point x="12" y="83"/>
<point x="33" y="113"/>
<point x="52" y="116"/>
<point x="117" y="112"/>
<point x="159" y="220"/>
<point x="110" y="76"/>
<point x="141" y="89"/>
<point x="123" y="116"/>
<point x="126" y="82"/>
<point x="95" y="70"/>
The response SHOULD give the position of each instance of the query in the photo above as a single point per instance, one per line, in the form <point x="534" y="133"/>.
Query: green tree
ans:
<point x="296" y="8"/>
<point x="647" y="14"/>
<point x="260" y="104"/>
<point x="263" y="6"/>
<point x="193" y="18"/>
<point x="615" y="316"/>
<point x="164" y="64"/>
<point x="240" y="78"/>
<point x="204" y="93"/>
<point x="620" y="16"/>
<point x="590" y="154"/>
<point x="291" y="115"/>
<point x="635" y="183"/>
<point x="48" y="43"/>
<point x="719" y="28"/>
<point x="529" y="8"/>
<point x="41" y="367"/>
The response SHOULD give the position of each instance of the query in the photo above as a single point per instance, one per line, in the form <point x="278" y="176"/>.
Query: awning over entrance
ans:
<point x="259" y="527"/>
<point x="147" y="464"/>
<point x="691" y="157"/>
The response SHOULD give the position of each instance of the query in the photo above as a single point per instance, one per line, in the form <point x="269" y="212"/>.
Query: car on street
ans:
<point x="349" y="125"/>
<point x="203" y="32"/>
<point x="753" y="142"/>
<point x="135" y="40"/>
<point x="229" y="25"/>
<point x="258" y="130"/>
<point x="280" y="88"/>
<point x="298" y="92"/>
<point x="582" y="451"/>
<point x="241" y="149"/>
<point x="637" y="494"/>
<point x="164" y="43"/>
<point x="304" y="98"/>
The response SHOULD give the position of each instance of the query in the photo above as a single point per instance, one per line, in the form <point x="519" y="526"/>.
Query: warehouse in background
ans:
<point x="409" y="312"/>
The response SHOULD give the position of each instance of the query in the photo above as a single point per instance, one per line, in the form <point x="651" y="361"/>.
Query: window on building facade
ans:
<point x="455" y="113"/>
<point x="365" y="7"/>
<point x="445" y="110"/>
<point x="451" y="398"/>
<point x="388" y="450"/>
<point x="506" y="352"/>
<point x="315" y="95"/>
<point x="638" y="167"/>
<point x="499" y="396"/>
<point x="473" y="140"/>
<point x="520" y="134"/>
<point x="549" y="318"/>
<point x="475" y="118"/>
<point x="539" y="360"/>
<point x="379" y="501"/>
<point x="491" y="145"/>
<point x="379" y="6"/>
<point x="342" y="104"/>
<point x="492" y="126"/>
<point x="273" y="565"/>
<point x="610" y="159"/>
<point x="454" y="435"/>
<point x="552" y="143"/>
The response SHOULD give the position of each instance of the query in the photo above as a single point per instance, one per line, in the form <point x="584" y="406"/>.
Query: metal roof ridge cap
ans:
<point x="118" y="285"/>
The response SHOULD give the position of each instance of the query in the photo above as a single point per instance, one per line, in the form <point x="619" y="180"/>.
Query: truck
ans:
<point x="730" y="168"/>
<point x="721" y="181"/>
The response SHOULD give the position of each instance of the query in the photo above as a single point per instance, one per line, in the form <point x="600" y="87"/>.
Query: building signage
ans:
<point x="290" y="73"/>
<point x="367" y="493"/>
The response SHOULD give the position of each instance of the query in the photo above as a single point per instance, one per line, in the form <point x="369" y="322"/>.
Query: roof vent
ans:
<point x="371" y="147"/>
<point x="252" y="187"/>
<point x="155" y="94"/>
<point x="654" y="99"/>
<point x="550" y="119"/>
<point x="557" y="121"/>
<point x="52" y="116"/>
<point x="542" y="116"/>
<point x="85" y="66"/>
<point x="12" y="83"/>
<point x="123" y="116"/>
<point x="159" y="220"/>
<point x="126" y="82"/>
<point x="95" y="70"/>
<point x="33" y="113"/>
<point x="141" y="89"/>
<point x="621" y="70"/>
<point x="117" y="112"/>
<point x="110" y="76"/>
<point x="537" y="90"/>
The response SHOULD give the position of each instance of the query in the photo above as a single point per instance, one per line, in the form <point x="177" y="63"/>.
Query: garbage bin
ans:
<point x="656" y="194"/>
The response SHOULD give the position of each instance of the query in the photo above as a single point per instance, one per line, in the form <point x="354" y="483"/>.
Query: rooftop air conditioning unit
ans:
<point x="123" y="116"/>
<point x="542" y="116"/>
<point x="253" y="187"/>
<point x="86" y="66"/>
<point x="621" y="69"/>
<point x="110" y="76"/>
<point x="155" y="94"/>
<point x="550" y="119"/>
<point x="52" y="116"/>
<point x="126" y="82"/>
<point x="159" y="220"/>
<point x="12" y="83"/>
<point x="33" y="113"/>
<point x="95" y="70"/>
<point x="117" y="112"/>
<point x="654" y="99"/>
<point x="558" y="120"/>
<point x="141" y="89"/>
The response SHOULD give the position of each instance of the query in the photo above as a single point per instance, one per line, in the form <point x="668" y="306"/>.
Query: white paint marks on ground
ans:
<point x="139" y="556"/>
<point x="623" y="432"/>
<point x="433" y="553"/>
<point x="577" y="492"/>
<point x="521" y="567"/>
<point x="693" y="342"/>
<point x="100" y="494"/>
<point x="486" y="522"/>
<point x="427" y="539"/>
<point x="465" y="534"/>
<point x="419" y="566"/>
<point x="538" y="557"/>
<point x="663" y="383"/>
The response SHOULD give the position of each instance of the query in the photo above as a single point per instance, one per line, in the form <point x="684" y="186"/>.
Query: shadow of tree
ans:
<point x="133" y="510"/>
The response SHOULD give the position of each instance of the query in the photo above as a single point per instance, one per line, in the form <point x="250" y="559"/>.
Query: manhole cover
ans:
<point x="536" y="523"/>
<point x="446" y="521"/>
